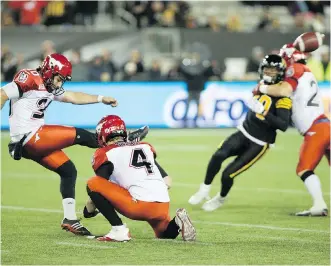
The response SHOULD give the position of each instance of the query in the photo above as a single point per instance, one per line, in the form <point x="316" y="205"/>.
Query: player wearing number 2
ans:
<point x="129" y="180"/>
<point x="30" y="93"/>
<point x="253" y="138"/>
<point x="308" y="117"/>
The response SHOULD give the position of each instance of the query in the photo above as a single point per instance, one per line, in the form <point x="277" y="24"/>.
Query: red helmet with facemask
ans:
<point x="55" y="65"/>
<point x="292" y="55"/>
<point x="109" y="127"/>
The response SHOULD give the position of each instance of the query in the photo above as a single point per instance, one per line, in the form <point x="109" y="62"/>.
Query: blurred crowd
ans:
<point x="307" y="15"/>
<point x="103" y="68"/>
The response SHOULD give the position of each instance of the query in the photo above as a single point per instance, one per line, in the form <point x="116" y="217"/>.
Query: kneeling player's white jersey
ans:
<point x="134" y="169"/>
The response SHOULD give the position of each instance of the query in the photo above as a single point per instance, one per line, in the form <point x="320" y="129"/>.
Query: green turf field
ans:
<point x="254" y="227"/>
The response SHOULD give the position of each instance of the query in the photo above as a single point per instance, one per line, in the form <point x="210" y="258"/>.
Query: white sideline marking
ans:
<point x="269" y="227"/>
<point x="19" y="208"/>
<point x="83" y="245"/>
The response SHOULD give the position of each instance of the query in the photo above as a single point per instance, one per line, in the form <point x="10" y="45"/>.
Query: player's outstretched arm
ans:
<point x="84" y="98"/>
<point x="281" y="89"/>
<point x="4" y="98"/>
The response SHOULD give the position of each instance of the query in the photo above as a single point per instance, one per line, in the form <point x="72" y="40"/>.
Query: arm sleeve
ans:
<point x="105" y="170"/>
<point x="293" y="73"/>
<point x="281" y="120"/>
<point x="162" y="171"/>
<point x="12" y="90"/>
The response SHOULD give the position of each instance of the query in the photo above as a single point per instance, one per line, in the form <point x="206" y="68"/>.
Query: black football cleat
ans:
<point x="139" y="134"/>
<point x="75" y="227"/>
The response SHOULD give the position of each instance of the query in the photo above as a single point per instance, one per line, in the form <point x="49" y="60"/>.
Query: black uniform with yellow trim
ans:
<point x="277" y="116"/>
<point x="252" y="139"/>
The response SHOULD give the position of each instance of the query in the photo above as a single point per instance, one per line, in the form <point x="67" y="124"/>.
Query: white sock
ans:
<point x="118" y="227"/>
<point x="69" y="208"/>
<point x="313" y="186"/>
<point x="205" y="187"/>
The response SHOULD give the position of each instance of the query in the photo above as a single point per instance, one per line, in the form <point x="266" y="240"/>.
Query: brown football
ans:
<point x="308" y="42"/>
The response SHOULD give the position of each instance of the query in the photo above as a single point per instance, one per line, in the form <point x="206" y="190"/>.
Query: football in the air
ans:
<point x="309" y="41"/>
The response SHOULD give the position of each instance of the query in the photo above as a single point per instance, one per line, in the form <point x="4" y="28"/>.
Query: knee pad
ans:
<point x="68" y="174"/>
<point x="68" y="169"/>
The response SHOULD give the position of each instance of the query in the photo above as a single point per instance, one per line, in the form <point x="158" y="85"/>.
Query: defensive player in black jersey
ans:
<point x="253" y="138"/>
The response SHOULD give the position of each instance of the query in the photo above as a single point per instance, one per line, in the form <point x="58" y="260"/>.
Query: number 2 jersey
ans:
<point x="307" y="101"/>
<point x="263" y="129"/>
<point x="135" y="169"/>
<point x="28" y="102"/>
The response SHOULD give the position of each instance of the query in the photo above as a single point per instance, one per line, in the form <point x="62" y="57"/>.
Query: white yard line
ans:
<point x="267" y="227"/>
<point x="84" y="245"/>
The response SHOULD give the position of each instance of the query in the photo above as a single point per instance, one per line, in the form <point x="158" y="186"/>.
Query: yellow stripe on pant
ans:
<point x="265" y="147"/>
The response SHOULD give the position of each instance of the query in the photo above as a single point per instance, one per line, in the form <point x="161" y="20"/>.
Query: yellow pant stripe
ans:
<point x="220" y="145"/>
<point x="265" y="147"/>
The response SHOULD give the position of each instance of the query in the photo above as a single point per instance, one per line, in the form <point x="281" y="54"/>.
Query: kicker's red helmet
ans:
<point x="55" y="64"/>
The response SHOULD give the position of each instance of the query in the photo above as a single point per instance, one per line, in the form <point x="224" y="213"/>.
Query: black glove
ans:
<point x="89" y="214"/>
<point x="15" y="148"/>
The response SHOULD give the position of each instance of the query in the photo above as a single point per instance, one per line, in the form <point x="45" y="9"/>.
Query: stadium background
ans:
<point x="142" y="53"/>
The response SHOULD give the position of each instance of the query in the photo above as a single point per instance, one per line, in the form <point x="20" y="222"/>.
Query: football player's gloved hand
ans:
<point x="93" y="210"/>
<point x="89" y="214"/>
<point x="256" y="106"/>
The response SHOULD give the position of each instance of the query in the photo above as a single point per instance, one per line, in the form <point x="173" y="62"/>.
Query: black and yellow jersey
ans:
<point x="264" y="127"/>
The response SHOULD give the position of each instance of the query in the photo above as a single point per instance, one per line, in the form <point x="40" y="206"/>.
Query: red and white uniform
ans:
<point x="134" y="170"/>
<point x="308" y="117"/>
<point x="306" y="99"/>
<point x="28" y="102"/>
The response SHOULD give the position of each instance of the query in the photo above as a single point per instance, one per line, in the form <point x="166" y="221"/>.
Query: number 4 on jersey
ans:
<point x="139" y="160"/>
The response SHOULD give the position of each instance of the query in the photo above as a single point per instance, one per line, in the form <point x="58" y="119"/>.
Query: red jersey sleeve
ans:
<point x="152" y="148"/>
<point x="293" y="73"/>
<point x="99" y="158"/>
<point x="26" y="81"/>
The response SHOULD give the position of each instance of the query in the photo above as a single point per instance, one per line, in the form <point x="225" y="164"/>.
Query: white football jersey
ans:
<point x="307" y="101"/>
<point x="29" y="100"/>
<point x="135" y="170"/>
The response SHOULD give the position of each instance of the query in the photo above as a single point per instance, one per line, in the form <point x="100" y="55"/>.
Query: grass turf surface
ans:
<point x="253" y="227"/>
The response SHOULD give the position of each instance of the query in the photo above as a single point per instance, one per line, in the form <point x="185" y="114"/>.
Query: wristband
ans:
<point x="100" y="97"/>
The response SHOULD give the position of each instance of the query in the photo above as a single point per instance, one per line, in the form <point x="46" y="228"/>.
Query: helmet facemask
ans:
<point x="270" y="74"/>
<point x="55" y="84"/>
<point x="272" y="69"/>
